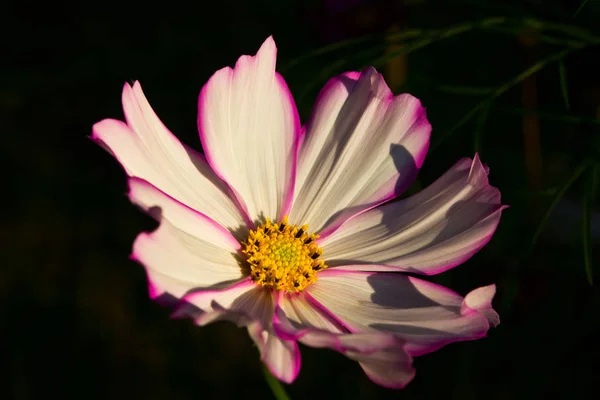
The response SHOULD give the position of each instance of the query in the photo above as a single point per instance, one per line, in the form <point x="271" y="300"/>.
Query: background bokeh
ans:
<point x="516" y="81"/>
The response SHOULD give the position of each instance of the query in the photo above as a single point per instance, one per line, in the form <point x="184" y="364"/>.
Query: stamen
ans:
<point x="283" y="256"/>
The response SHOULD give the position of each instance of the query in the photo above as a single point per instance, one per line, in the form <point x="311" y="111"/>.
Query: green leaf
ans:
<point x="275" y="386"/>
<point x="480" y="123"/>
<point x="557" y="197"/>
<point x="587" y="223"/>
<point x="562" y="71"/>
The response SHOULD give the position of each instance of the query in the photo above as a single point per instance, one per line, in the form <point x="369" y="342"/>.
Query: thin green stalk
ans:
<point x="513" y="26"/>
<point x="479" y="125"/>
<point x="465" y="90"/>
<point x="587" y="224"/>
<point x="429" y="37"/>
<point x="583" y="3"/>
<point x="557" y="197"/>
<point x="548" y="115"/>
<point x="571" y="30"/>
<point x="326" y="49"/>
<point x="441" y="34"/>
<point x="515" y="31"/>
<point x="564" y="90"/>
<point x="400" y="36"/>
<point x="344" y="44"/>
<point x="500" y="91"/>
<point x="275" y="386"/>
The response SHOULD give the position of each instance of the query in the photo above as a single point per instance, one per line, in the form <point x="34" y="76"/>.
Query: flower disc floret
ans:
<point x="282" y="256"/>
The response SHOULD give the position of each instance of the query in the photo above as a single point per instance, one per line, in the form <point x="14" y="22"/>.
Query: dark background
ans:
<point x="75" y="317"/>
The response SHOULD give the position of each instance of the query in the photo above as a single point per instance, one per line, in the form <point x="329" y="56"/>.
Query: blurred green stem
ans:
<point x="275" y="386"/>
<point x="500" y="91"/>
<point x="437" y="35"/>
<point x="557" y="197"/>
<point x="549" y="115"/>
<point x="583" y="3"/>
<point x="587" y="223"/>
<point x="427" y="37"/>
<point x="564" y="89"/>
<point x="541" y="38"/>
<point x="479" y="125"/>
<point x="512" y="26"/>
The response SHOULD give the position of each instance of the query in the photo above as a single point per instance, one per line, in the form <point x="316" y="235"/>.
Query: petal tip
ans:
<point x="285" y="375"/>
<point x="478" y="172"/>
<point x="268" y="49"/>
<point x="480" y="299"/>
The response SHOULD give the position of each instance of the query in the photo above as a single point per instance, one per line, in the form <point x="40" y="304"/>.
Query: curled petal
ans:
<point x="382" y="356"/>
<point x="362" y="146"/>
<point x="248" y="305"/>
<point x="187" y="251"/>
<point x="426" y="315"/>
<point x="428" y="233"/>
<point x="148" y="150"/>
<point x="480" y="299"/>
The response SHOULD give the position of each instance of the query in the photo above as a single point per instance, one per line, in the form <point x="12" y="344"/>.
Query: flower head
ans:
<point x="289" y="231"/>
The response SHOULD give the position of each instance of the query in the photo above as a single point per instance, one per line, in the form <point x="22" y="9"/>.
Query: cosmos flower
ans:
<point x="289" y="231"/>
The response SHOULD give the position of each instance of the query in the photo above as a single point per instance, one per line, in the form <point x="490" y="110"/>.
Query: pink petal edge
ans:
<point x="298" y="132"/>
<point x="256" y="329"/>
<point x="136" y="184"/>
<point x="478" y="303"/>
<point x="477" y="176"/>
<point x="354" y="345"/>
<point x="387" y="96"/>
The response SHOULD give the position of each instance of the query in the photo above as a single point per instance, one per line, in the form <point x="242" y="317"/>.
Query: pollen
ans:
<point x="283" y="256"/>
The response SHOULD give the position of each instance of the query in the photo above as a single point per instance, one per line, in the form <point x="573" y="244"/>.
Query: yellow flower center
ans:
<point x="283" y="256"/>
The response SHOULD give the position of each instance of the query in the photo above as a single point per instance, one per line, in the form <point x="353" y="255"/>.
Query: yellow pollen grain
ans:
<point x="283" y="256"/>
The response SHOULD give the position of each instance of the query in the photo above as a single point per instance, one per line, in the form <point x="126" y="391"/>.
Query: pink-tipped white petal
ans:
<point x="282" y="357"/>
<point x="249" y="128"/>
<point x="389" y="367"/>
<point x="426" y="315"/>
<point x="148" y="150"/>
<point x="187" y="251"/>
<point x="381" y="355"/>
<point x="250" y="306"/>
<point x="302" y="313"/>
<point x="362" y="147"/>
<point x="428" y="233"/>
<point x="480" y="299"/>
<point x="242" y="303"/>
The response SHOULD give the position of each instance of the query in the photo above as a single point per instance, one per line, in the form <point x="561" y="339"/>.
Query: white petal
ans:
<point x="390" y="367"/>
<point x="187" y="251"/>
<point x="242" y="302"/>
<point x="302" y="314"/>
<point x="480" y="299"/>
<point x="362" y="147"/>
<point x="249" y="305"/>
<point x="426" y="315"/>
<point x="249" y="129"/>
<point x="381" y="355"/>
<point x="282" y="357"/>
<point x="147" y="150"/>
<point x="431" y="232"/>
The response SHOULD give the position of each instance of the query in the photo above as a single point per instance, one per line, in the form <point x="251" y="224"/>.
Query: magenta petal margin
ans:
<point x="361" y="148"/>
<point x="249" y="128"/>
